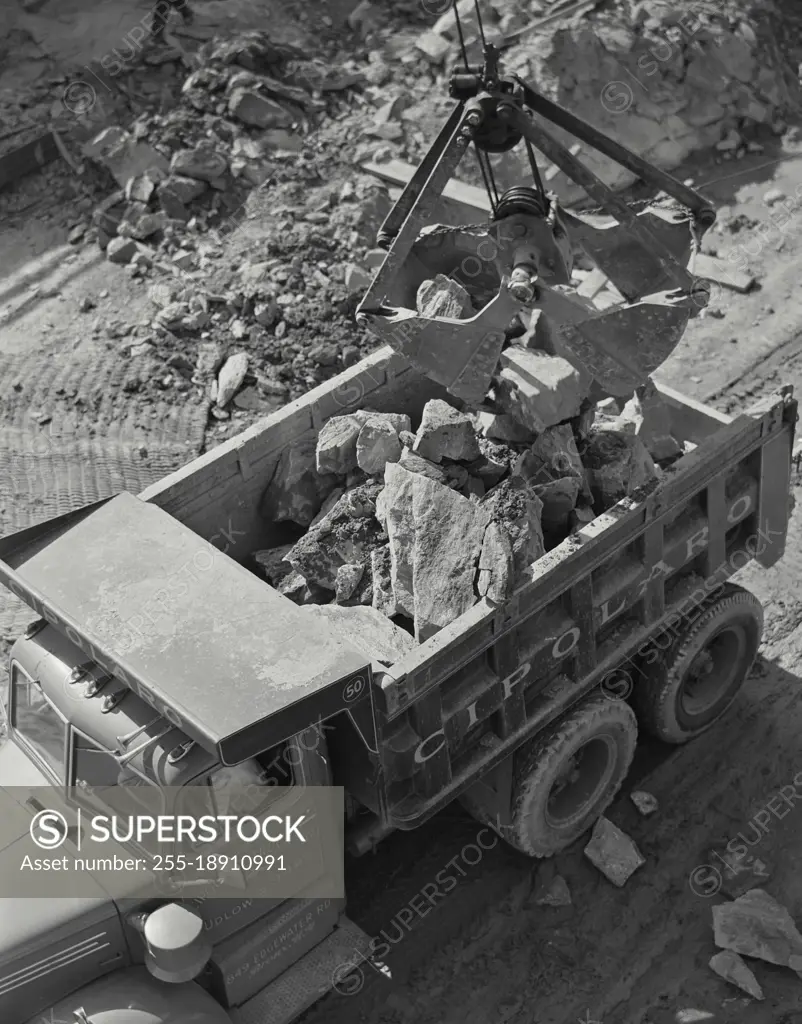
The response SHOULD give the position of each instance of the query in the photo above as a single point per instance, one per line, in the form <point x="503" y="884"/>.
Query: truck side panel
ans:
<point x="590" y="607"/>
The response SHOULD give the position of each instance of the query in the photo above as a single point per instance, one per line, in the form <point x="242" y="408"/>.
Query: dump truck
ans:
<point x="527" y="712"/>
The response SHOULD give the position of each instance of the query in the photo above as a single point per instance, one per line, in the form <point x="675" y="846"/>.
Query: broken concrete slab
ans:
<point x="444" y="297"/>
<point x="617" y="464"/>
<point x="272" y="562"/>
<point x="336" y="445"/>
<point x="645" y="802"/>
<point x="496" y="576"/>
<point x="377" y="444"/>
<point x="369" y="630"/>
<point x="757" y="925"/>
<point x="449" y="531"/>
<point x="540" y="390"/>
<point x="296" y="490"/>
<point x="446" y="433"/>
<point x="648" y="416"/>
<point x="731" y="968"/>
<point x="514" y="507"/>
<point x="613" y="852"/>
<point x="555" y="894"/>
<point x="230" y="378"/>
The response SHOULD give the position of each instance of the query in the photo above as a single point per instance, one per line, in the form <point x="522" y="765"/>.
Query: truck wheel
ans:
<point x="696" y="679"/>
<point x="565" y="778"/>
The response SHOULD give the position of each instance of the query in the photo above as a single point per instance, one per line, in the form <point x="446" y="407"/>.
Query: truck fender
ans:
<point x="133" y="996"/>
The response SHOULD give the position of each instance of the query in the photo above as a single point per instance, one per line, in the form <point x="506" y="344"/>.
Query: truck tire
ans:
<point x="691" y="685"/>
<point x="595" y="742"/>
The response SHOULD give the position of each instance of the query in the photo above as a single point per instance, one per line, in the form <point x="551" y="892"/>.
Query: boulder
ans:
<point x="381" y="573"/>
<point x="648" y="417"/>
<point x="296" y="588"/>
<point x="296" y="490"/>
<point x="617" y="464"/>
<point x="230" y="378"/>
<point x="731" y="968"/>
<point x="272" y="563"/>
<point x="201" y="163"/>
<point x="496" y="577"/>
<point x="258" y="111"/>
<point x="377" y="444"/>
<point x="757" y="925"/>
<point x="613" y="852"/>
<point x="449" y="531"/>
<point x="540" y="390"/>
<point x="346" y="581"/>
<point x="346" y="535"/>
<point x="514" y="507"/>
<point x="444" y="297"/>
<point x="394" y="510"/>
<point x="446" y="433"/>
<point x="399" y="421"/>
<point x="336" y="445"/>
<point x="415" y="464"/>
<point x="501" y="427"/>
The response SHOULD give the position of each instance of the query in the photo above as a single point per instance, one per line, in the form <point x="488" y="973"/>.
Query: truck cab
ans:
<point x="78" y="726"/>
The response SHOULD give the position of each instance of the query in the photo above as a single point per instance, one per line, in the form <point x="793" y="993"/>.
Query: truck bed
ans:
<point x="585" y="607"/>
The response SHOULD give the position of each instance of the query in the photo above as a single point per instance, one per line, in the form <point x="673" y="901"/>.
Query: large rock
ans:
<point x="617" y="463"/>
<point x="296" y="490"/>
<point x="230" y="378"/>
<point x="368" y="630"/>
<point x="381" y="573"/>
<point x="517" y="510"/>
<point x="394" y="509"/>
<point x="442" y="296"/>
<point x="399" y="421"/>
<point x="297" y="589"/>
<point x="731" y="968"/>
<point x="501" y="427"/>
<point x="555" y="455"/>
<point x="449" y="531"/>
<point x="757" y="925"/>
<point x="540" y="390"/>
<point x="496" y="576"/>
<point x="377" y="444"/>
<point x="613" y="852"/>
<point x="123" y="155"/>
<point x="415" y="464"/>
<point x="258" y="111"/>
<point x="336" y="445"/>
<point x="446" y="433"/>
<point x="273" y="563"/>
<point x="647" y="415"/>
<point x="201" y="163"/>
<point x="346" y="535"/>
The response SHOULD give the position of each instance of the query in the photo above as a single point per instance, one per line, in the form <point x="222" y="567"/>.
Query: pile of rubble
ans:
<point x="664" y="79"/>
<point x="422" y="525"/>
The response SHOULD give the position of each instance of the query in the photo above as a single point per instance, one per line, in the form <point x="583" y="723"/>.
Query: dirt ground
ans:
<point x="489" y="954"/>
